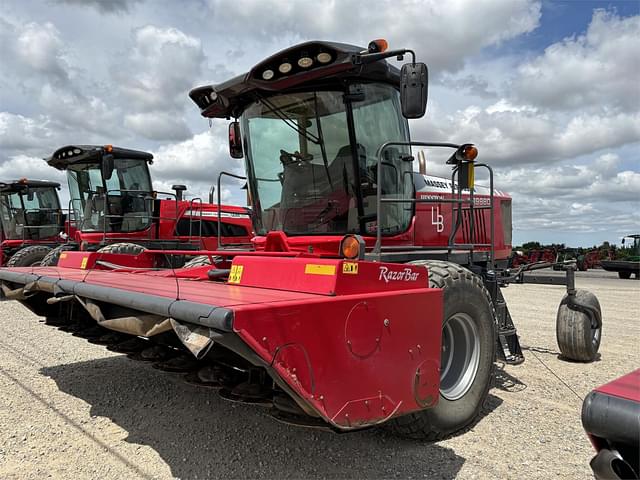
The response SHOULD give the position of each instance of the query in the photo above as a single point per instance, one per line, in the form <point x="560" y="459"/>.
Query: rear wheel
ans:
<point x="577" y="333"/>
<point x="51" y="259"/>
<point x="624" y="275"/>
<point x="468" y="351"/>
<point x="199" y="261"/>
<point x="123" y="248"/>
<point x="30" y="256"/>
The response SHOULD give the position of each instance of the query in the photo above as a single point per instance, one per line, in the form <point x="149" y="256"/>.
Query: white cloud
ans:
<point x="158" y="125"/>
<point x="105" y="6"/>
<point x="159" y="69"/>
<point x="196" y="162"/>
<point x="19" y="132"/>
<point x="509" y="135"/>
<point x="442" y="33"/>
<point x="20" y="166"/>
<point x="599" y="68"/>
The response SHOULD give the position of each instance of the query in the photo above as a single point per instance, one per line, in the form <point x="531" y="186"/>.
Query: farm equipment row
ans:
<point x="369" y="295"/>
<point x="113" y="208"/>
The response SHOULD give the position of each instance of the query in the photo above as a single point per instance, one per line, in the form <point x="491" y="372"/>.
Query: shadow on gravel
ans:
<point x="558" y="355"/>
<point x="507" y="382"/>
<point x="200" y="435"/>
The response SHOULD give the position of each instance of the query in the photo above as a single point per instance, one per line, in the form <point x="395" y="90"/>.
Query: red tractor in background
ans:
<point x="371" y="295"/>
<point x="114" y="208"/>
<point x="546" y="255"/>
<point x="31" y="221"/>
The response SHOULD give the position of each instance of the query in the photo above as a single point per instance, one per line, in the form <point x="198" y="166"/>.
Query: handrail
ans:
<point x="192" y="202"/>
<point x="457" y="202"/>
<point x="220" y="175"/>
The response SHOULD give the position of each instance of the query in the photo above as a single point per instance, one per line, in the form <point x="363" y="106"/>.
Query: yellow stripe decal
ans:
<point x="314" y="269"/>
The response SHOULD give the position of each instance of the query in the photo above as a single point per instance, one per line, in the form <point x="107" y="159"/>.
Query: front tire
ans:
<point x="469" y="343"/>
<point x="625" y="275"/>
<point x="30" y="256"/>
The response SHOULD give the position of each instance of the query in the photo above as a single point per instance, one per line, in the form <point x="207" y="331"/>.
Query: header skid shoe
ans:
<point x="353" y="342"/>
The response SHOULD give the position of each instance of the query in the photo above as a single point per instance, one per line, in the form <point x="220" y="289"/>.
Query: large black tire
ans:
<point x="30" y="256"/>
<point x="51" y="259"/>
<point x="123" y="248"/>
<point x="625" y="275"/>
<point x="468" y="315"/>
<point x="199" y="261"/>
<point x="578" y="337"/>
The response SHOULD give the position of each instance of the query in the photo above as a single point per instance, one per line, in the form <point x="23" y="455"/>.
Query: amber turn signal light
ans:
<point x="470" y="153"/>
<point x="352" y="247"/>
<point x="377" y="46"/>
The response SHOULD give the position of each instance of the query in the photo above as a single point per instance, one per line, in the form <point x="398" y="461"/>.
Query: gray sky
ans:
<point x="548" y="91"/>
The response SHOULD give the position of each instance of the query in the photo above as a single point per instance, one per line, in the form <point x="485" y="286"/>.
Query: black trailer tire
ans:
<point x="578" y="338"/>
<point x="30" y="256"/>
<point x="463" y="391"/>
<point x="123" y="248"/>
<point x="199" y="261"/>
<point x="625" y="275"/>
<point x="51" y="259"/>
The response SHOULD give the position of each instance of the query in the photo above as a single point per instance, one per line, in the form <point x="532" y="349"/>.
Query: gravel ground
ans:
<point x="70" y="409"/>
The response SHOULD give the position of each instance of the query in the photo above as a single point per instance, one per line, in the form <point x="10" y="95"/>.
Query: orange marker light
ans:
<point x="350" y="247"/>
<point x="470" y="153"/>
<point x="108" y="148"/>
<point x="378" y="45"/>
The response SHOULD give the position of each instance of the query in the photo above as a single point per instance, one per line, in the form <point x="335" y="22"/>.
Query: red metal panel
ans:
<point x="307" y="344"/>
<point x="326" y="276"/>
<point x="627" y="386"/>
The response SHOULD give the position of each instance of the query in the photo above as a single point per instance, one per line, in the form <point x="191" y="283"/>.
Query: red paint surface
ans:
<point x="627" y="387"/>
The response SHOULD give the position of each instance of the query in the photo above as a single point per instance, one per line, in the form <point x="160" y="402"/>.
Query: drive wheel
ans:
<point x="123" y="248"/>
<point x="51" y="259"/>
<point x="468" y="351"/>
<point x="199" y="261"/>
<point x="30" y="256"/>
<point x="578" y="334"/>
<point x="624" y="275"/>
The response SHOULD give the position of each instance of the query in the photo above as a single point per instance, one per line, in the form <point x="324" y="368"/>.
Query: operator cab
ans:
<point x="110" y="187"/>
<point x="30" y="210"/>
<point x="310" y="123"/>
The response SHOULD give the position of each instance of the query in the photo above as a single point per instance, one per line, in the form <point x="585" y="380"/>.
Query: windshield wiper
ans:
<point x="289" y="121"/>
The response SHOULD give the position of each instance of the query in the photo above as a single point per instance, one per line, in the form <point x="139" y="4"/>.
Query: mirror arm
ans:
<point x="366" y="58"/>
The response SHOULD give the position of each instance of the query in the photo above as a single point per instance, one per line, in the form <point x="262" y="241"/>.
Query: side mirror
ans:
<point x="107" y="166"/>
<point x="414" y="85"/>
<point x="235" y="140"/>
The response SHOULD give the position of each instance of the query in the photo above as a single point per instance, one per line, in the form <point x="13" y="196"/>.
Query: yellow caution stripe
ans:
<point x="315" y="269"/>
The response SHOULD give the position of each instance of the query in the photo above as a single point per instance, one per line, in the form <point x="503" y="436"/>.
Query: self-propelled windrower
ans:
<point x="371" y="294"/>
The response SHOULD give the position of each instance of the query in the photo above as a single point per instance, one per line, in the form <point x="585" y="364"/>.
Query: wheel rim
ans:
<point x="595" y="335"/>
<point x="460" y="356"/>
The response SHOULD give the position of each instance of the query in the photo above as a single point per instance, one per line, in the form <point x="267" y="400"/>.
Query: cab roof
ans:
<point x="73" y="154"/>
<point x="12" y="186"/>
<point x="228" y="99"/>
